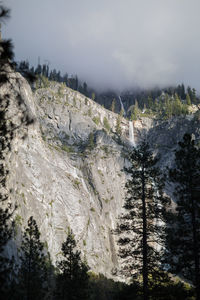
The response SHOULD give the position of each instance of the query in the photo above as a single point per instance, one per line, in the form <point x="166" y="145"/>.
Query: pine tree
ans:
<point x="189" y="91"/>
<point x="93" y="96"/>
<point x="33" y="268"/>
<point x="113" y="105"/>
<point x="85" y="89"/>
<point x="38" y="69"/>
<point x="177" y="105"/>
<point x="6" y="209"/>
<point x="121" y="113"/>
<point x="188" y="100"/>
<point x="72" y="280"/>
<point x="193" y="98"/>
<point x="135" y="111"/>
<point x="7" y="128"/>
<point x="149" y="102"/>
<point x="168" y="106"/>
<point x="141" y="228"/>
<point x="183" y="241"/>
<point x="76" y="83"/>
<point x="118" y="125"/>
<point x="183" y="95"/>
<point x="6" y="264"/>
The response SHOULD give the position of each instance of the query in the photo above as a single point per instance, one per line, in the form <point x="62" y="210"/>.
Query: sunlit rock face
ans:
<point x="69" y="170"/>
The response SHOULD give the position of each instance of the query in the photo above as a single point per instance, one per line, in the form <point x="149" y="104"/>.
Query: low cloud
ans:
<point x="111" y="44"/>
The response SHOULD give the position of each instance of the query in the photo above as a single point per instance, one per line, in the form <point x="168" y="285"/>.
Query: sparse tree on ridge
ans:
<point x="85" y="89"/>
<point x="113" y="105"/>
<point x="188" y="100"/>
<point x="118" y="125"/>
<point x="93" y="96"/>
<point x="135" y="111"/>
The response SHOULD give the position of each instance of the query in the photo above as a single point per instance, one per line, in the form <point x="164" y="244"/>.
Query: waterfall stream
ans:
<point x="131" y="133"/>
<point x="122" y="105"/>
<point x="131" y="128"/>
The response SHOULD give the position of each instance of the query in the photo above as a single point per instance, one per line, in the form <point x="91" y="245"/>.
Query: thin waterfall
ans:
<point x="122" y="105"/>
<point x="131" y="134"/>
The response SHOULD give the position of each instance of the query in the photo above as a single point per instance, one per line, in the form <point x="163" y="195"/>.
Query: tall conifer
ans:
<point x="33" y="268"/>
<point x="184" y="223"/>
<point x="7" y="129"/>
<point x="141" y="227"/>
<point x="72" y="280"/>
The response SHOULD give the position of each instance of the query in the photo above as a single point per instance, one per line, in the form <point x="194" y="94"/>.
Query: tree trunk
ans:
<point x="196" y="251"/>
<point x="144" y="246"/>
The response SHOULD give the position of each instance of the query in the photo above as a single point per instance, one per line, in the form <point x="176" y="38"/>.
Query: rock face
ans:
<point x="68" y="171"/>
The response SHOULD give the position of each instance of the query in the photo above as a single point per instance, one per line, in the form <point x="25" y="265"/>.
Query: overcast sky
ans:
<point x="111" y="43"/>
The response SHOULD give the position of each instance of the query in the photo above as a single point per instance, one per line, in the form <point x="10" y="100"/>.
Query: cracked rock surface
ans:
<point x="68" y="171"/>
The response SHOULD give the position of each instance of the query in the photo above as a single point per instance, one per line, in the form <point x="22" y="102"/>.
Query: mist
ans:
<point x="116" y="44"/>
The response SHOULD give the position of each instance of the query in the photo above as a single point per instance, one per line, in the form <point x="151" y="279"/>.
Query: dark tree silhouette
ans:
<point x="6" y="136"/>
<point x="184" y="230"/>
<point x="33" y="266"/>
<point x="7" y="129"/>
<point x="72" y="280"/>
<point x="141" y="228"/>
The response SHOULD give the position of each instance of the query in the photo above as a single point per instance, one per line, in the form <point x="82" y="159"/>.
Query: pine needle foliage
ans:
<point x="33" y="269"/>
<point x="141" y="227"/>
<point x="183" y="242"/>
<point x="6" y="136"/>
<point x="72" y="279"/>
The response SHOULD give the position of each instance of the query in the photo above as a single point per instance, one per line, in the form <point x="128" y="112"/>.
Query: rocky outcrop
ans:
<point x="68" y="171"/>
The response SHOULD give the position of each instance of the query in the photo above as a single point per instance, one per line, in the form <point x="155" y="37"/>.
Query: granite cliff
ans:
<point x="68" y="171"/>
